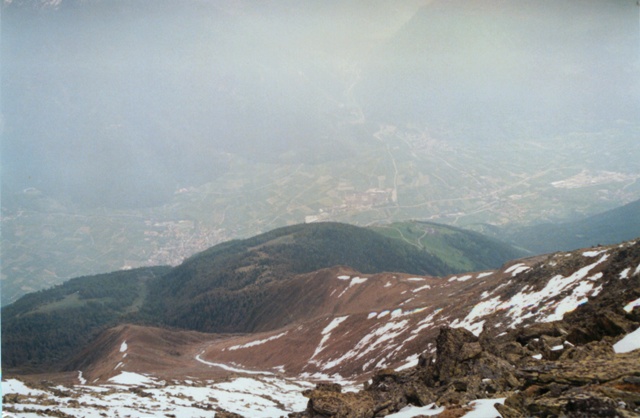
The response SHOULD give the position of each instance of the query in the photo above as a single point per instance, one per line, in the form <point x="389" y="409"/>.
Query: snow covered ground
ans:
<point x="136" y="395"/>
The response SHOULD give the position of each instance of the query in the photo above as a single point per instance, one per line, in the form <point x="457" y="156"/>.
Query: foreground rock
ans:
<point x="596" y="383"/>
<point x="579" y="381"/>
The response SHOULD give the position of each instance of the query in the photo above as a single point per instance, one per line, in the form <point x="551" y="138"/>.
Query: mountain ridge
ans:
<point x="554" y="319"/>
<point x="618" y="224"/>
<point x="227" y="288"/>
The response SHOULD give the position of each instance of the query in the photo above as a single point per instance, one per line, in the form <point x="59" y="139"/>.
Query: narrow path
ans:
<point x="230" y="368"/>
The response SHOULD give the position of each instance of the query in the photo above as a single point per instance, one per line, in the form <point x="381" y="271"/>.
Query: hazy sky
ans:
<point x="119" y="103"/>
<point x="139" y="132"/>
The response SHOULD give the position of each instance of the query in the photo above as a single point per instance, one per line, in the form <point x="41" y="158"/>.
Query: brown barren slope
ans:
<point x="343" y="324"/>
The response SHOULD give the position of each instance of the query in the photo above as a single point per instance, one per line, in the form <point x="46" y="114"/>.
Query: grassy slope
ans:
<point x="461" y="249"/>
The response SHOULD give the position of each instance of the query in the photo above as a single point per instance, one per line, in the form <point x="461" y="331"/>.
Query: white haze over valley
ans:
<point x="137" y="133"/>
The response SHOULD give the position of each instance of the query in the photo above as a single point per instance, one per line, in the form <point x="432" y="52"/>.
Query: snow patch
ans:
<point x="355" y="281"/>
<point x="344" y="277"/>
<point x="519" y="307"/>
<point x="515" y="267"/>
<point x="17" y="387"/>
<point x="383" y="314"/>
<point x="414" y="311"/>
<point x="520" y="270"/>
<point x="326" y="333"/>
<point x="416" y="279"/>
<point x="485" y="274"/>
<point x="461" y="278"/>
<point x="629" y="343"/>
<point x="484" y="408"/>
<point x="388" y="284"/>
<point x="629" y="306"/>
<point x="597" y="291"/>
<point x="421" y="288"/>
<point x="593" y="253"/>
<point x="227" y="367"/>
<point x="257" y="397"/>
<point x="258" y="342"/>
<point x="427" y="322"/>
<point x="132" y="379"/>
<point x="81" y="379"/>
<point x="624" y="274"/>
<point x="483" y="308"/>
<point x="521" y="302"/>
<point x="409" y="362"/>
<point x="371" y="342"/>
<point x="347" y="385"/>
<point x="372" y="315"/>
<point x="571" y="302"/>
<point x="396" y="313"/>
<point x="123" y="346"/>
<point x="411" y="411"/>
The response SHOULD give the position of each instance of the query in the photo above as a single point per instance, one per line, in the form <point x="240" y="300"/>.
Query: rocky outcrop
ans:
<point x="589" y="382"/>
<point x="536" y="369"/>
<point x="328" y="400"/>
<point x="461" y="371"/>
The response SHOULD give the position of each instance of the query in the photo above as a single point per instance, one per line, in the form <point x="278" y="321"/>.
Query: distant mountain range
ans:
<point x="619" y="224"/>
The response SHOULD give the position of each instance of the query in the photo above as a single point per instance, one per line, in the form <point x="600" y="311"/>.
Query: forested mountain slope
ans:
<point x="227" y="288"/>
<point x="605" y="228"/>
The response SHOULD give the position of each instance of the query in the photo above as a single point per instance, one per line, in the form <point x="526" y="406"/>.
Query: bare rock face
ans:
<point x="460" y="372"/>
<point x="221" y="413"/>
<point x="455" y="348"/>
<point x="327" y="400"/>
<point x="593" y="324"/>
<point x="599" y="385"/>
<point x="463" y="370"/>
<point x="582" y="381"/>
<point x="393" y="390"/>
<point x="594" y="349"/>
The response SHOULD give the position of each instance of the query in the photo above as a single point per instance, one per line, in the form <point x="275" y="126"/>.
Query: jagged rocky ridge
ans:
<point x="566" y="367"/>
<point x="585" y="380"/>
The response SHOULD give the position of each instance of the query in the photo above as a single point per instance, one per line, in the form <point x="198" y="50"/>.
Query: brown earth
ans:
<point x="340" y="326"/>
